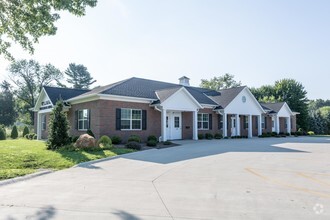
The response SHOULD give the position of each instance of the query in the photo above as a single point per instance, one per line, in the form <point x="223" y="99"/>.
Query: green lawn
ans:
<point x="21" y="157"/>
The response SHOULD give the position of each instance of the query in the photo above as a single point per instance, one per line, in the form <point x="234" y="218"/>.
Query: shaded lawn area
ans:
<point x="22" y="156"/>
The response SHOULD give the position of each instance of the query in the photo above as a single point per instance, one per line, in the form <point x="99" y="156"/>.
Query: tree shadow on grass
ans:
<point x="79" y="156"/>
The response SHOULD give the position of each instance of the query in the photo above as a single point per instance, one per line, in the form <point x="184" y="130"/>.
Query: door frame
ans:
<point x="170" y="125"/>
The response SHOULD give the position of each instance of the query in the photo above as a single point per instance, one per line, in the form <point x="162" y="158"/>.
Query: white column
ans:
<point x="288" y="122"/>
<point x="260" y="124"/>
<point x="195" y="125"/>
<point x="39" y="126"/>
<point x="163" y="124"/>
<point x="224" y="125"/>
<point x="250" y="127"/>
<point x="277" y="124"/>
<point x="238" y="125"/>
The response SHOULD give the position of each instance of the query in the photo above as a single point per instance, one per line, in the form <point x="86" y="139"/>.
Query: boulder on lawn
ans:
<point x="85" y="141"/>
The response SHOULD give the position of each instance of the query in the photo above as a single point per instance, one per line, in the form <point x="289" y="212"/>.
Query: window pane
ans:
<point x="166" y="121"/>
<point x="199" y="125"/>
<point x="136" y="114"/>
<point x="205" y="117"/>
<point x="176" y="122"/>
<point x="205" y="125"/>
<point x="199" y="117"/>
<point x="85" y="124"/>
<point x="125" y="124"/>
<point x="85" y="113"/>
<point x="136" y="124"/>
<point x="125" y="113"/>
<point x="80" y="114"/>
<point x="80" y="125"/>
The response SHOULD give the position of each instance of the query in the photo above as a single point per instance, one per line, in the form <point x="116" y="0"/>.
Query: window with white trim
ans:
<point x="246" y="122"/>
<point x="263" y="122"/>
<point x="131" y="119"/>
<point x="83" y="119"/>
<point x="43" y="122"/>
<point x="203" y="121"/>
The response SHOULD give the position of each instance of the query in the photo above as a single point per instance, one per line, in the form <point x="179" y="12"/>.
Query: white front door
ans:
<point x="233" y="126"/>
<point x="174" y="125"/>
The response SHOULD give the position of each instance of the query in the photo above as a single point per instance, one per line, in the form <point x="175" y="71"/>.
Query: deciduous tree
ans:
<point x="25" y="21"/>
<point x="221" y="82"/>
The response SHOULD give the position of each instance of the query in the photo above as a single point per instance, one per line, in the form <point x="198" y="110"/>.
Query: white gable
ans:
<point x="182" y="101"/>
<point x="245" y="104"/>
<point x="43" y="101"/>
<point x="285" y="111"/>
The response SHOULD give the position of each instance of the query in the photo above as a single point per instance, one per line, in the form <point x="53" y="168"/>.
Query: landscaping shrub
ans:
<point x="288" y="134"/>
<point x="104" y="141"/>
<point x="14" y="132"/>
<point x="152" y="138"/>
<point x="134" y="138"/>
<point x="218" y="136"/>
<point x="3" y="135"/>
<point x="89" y="132"/>
<point x="273" y="134"/>
<point x="311" y="133"/>
<point x="226" y="137"/>
<point x="74" y="139"/>
<point x="152" y="143"/>
<point x="25" y="131"/>
<point x="133" y="145"/>
<point x="58" y="128"/>
<point x="116" y="140"/>
<point x="167" y="142"/>
<point x="200" y="136"/>
<point x="209" y="136"/>
<point x="31" y="136"/>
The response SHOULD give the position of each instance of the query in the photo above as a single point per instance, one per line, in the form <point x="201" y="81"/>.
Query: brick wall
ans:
<point x="293" y="123"/>
<point x="187" y="125"/>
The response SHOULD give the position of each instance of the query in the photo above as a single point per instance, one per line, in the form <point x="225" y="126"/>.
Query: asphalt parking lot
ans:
<point x="285" y="178"/>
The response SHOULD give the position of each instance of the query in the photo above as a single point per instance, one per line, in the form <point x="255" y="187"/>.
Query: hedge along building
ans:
<point x="169" y="111"/>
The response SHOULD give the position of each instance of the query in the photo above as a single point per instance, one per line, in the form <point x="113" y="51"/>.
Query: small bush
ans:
<point x="209" y="136"/>
<point x="25" y="131"/>
<point x="134" y="138"/>
<point x="152" y="143"/>
<point x="200" y="136"/>
<point x="217" y="136"/>
<point x="104" y="141"/>
<point x="89" y="132"/>
<point x="226" y="137"/>
<point x="14" y="132"/>
<point x="167" y="142"/>
<point x="311" y="133"/>
<point x="133" y="145"/>
<point x="288" y="134"/>
<point x="31" y="136"/>
<point x="152" y="138"/>
<point x="116" y="140"/>
<point x="74" y="139"/>
<point x="273" y="134"/>
<point x="3" y="135"/>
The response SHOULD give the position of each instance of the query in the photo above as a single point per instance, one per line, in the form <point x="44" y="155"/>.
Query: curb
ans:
<point x="24" y="178"/>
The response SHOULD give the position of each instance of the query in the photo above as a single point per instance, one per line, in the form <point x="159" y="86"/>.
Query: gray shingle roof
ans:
<point x="276" y="107"/>
<point x="145" y="88"/>
<point x="166" y="93"/>
<point x="56" y="93"/>
<point x="225" y="96"/>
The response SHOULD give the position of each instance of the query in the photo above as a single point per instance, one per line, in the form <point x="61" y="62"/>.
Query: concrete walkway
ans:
<point x="286" y="178"/>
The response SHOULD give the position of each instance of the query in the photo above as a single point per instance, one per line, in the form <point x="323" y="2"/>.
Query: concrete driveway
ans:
<point x="287" y="178"/>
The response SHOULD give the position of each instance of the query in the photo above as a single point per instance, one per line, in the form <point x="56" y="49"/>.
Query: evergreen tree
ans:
<point x="3" y="135"/>
<point x="78" y="76"/>
<point x="14" y="132"/>
<point x="58" y="128"/>
<point x="7" y="105"/>
<point x="26" y="131"/>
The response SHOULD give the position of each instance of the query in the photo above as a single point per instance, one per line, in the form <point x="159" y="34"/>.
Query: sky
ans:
<point x="258" y="41"/>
